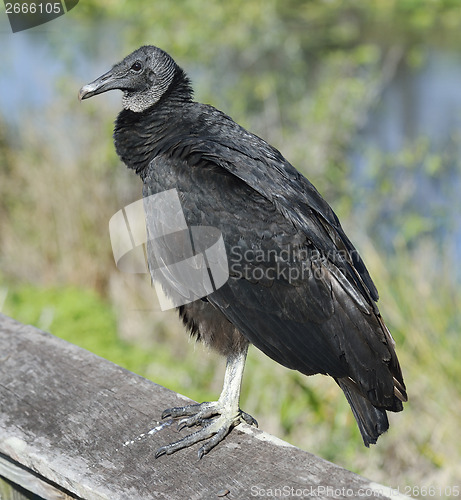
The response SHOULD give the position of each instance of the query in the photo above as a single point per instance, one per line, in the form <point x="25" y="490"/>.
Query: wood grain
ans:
<point x="74" y="425"/>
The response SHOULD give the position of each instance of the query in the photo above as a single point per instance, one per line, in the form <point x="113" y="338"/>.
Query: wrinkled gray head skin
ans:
<point x="143" y="76"/>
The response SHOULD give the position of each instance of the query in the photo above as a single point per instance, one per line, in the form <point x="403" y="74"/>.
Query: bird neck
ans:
<point x="140" y="136"/>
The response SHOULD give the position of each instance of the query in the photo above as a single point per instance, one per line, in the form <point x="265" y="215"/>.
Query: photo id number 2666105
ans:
<point x="33" y="8"/>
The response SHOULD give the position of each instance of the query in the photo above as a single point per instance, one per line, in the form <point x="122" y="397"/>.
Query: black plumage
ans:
<point x="307" y="302"/>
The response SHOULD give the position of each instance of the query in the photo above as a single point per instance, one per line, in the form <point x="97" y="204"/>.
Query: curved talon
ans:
<point x="182" y="423"/>
<point x="216" y="421"/>
<point x="166" y="413"/>
<point x="216" y="418"/>
<point x="249" y="419"/>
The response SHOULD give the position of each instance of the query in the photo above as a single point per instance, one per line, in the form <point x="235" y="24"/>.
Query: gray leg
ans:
<point x="217" y="418"/>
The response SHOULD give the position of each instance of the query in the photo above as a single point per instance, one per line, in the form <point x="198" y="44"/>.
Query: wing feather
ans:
<point x="325" y="320"/>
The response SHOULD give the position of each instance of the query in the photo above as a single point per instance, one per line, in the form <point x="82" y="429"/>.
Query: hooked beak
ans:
<point x="102" y="84"/>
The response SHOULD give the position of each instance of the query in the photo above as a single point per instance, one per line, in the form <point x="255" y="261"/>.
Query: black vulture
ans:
<point x="297" y="288"/>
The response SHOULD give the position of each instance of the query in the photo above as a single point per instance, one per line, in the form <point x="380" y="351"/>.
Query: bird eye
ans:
<point x="137" y="66"/>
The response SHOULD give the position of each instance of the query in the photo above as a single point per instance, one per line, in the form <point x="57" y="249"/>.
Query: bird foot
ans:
<point x="216" y="419"/>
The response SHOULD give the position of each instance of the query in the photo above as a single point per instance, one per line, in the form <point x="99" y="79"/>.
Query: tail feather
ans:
<point x="372" y="421"/>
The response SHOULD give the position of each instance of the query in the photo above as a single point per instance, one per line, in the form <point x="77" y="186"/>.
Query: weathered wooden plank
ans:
<point x="91" y="428"/>
<point x="28" y="480"/>
<point x="11" y="491"/>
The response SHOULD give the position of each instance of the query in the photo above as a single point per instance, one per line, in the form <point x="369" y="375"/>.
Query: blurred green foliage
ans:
<point x="303" y="74"/>
<point x="82" y="317"/>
